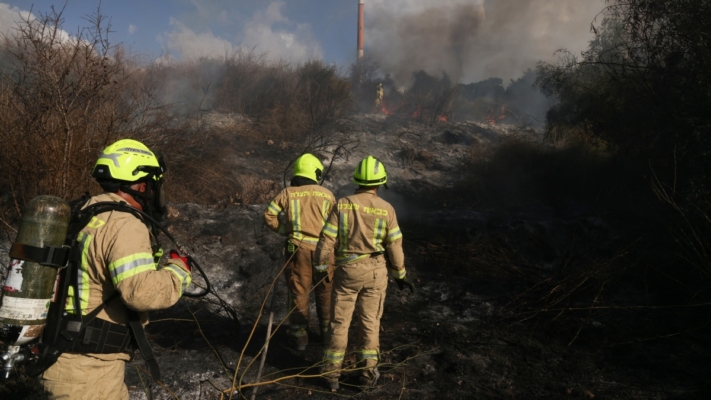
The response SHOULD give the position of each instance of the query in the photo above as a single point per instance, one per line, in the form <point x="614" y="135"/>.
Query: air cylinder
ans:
<point x="28" y="289"/>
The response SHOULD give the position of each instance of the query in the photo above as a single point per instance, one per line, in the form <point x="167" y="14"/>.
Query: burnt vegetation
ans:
<point x="571" y="238"/>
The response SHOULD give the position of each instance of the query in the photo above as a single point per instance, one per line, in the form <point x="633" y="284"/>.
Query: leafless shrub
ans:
<point x="691" y="228"/>
<point x="62" y="100"/>
<point x="256" y="190"/>
<point x="285" y="101"/>
<point x="408" y="154"/>
<point x="303" y="108"/>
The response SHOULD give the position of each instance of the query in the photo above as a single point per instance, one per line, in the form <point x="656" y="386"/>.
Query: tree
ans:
<point x="63" y="98"/>
<point x="643" y="86"/>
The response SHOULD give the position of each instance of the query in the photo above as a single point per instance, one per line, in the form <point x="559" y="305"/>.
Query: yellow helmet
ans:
<point x="128" y="160"/>
<point x="309" y="167"/>
<point x="370" y="172"/>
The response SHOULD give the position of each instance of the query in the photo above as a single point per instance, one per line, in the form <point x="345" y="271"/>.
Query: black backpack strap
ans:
<point x="134" y="321"/>
<point x="52" y="352"/>
<point x="53" y="256"/>
<point x="139" y="334"/>
<point x="73" y="329"/>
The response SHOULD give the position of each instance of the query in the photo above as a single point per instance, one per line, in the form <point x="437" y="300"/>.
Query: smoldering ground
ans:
<point x="480" y="230"/>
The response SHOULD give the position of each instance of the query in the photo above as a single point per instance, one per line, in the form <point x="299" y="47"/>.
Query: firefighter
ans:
<point x="361" y="230"/>
<point x="119" y="273"/>
<point x="299" y="213"/>
<point x="379" y="92"/>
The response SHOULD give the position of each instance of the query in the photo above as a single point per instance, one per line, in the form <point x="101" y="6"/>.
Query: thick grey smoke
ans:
<point x="473" y="40"/>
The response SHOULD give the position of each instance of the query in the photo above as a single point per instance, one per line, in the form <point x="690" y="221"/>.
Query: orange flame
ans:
<point x="492" y="119"/>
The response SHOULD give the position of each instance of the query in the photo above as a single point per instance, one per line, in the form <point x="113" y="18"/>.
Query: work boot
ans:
<point x="370" y="378"/>
<point x="333" y="385"/>
<point x="331" y="373"/>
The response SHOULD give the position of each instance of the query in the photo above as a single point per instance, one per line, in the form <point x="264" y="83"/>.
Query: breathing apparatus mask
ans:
<point x="153" y="199"/>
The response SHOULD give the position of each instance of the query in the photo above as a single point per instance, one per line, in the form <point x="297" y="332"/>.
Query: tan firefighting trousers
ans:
<point x="299" y="279"/>
<point x="362" y="285"/>
<point x="82" y="377"/>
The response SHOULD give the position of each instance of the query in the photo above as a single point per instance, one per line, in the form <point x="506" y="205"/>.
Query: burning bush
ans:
<point x="431" y="99"/>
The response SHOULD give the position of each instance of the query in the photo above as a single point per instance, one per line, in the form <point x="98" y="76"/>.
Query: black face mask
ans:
<point x="152" y="200"/>
<point x="157" y="207"/>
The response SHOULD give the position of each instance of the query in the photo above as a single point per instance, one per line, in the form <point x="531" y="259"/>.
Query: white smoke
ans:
<point x="265" y="33"/>
<point x="297" y="45"/>
<point x="473" y="40"/>
<point x="11" y="16"/>
<point x="188" y="44"/>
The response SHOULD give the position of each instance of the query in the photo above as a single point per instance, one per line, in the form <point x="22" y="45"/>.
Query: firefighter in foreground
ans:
<point x="117" y="257"/>
<point x="299" y="212"/>
<point x="361" y="229"/>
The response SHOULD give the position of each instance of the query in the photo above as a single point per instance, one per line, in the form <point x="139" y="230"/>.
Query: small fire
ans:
<point x="417" y="113"/>
<point x="442" y="118"/>
<point x="492" y="118"/>
<point x="384" y="109"/>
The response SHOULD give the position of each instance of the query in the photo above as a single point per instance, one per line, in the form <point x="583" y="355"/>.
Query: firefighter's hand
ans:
<point x="174" y="254"/>
<point x="404" y="283"/>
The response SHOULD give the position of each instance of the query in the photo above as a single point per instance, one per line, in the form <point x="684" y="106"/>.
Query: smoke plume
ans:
<point x="471" y="40"/>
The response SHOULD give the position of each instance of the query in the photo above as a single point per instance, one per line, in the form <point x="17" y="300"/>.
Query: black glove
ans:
<point x="403" y="283"/>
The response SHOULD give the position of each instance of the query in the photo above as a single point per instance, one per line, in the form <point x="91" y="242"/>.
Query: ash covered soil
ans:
<point x="460" y="335"/>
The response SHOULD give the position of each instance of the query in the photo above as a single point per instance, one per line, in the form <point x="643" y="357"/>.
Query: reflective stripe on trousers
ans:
<point x="360" y="285"/>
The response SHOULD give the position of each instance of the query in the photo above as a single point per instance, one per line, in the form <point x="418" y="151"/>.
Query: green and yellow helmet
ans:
<point x="309" y="167"/>
<point x="128" y="160"/>
<point x="370" y="172"/>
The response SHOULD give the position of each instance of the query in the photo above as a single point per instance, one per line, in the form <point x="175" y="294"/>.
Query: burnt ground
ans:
<point x="456" y="337"/>
<point x="480" y="324"/>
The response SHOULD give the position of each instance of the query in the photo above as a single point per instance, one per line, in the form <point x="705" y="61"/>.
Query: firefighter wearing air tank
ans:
<point x="299" y="212"/>
<point x="362" y="230"/>
<point x="116" y="257"/>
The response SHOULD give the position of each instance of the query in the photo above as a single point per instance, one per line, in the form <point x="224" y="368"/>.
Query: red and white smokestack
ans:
<point x="360" y="29"/>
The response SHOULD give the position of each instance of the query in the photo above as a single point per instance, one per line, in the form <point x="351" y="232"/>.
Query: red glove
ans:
<point x="175" y="254"/>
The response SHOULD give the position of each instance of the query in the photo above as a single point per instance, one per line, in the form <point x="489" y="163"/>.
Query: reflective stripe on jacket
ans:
<point x="360" y="225"/>
<point x="299" y="212"/>
<point x="116" y="255"/>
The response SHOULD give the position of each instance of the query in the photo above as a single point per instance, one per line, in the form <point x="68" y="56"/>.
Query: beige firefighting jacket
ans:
<point x="299" y="212"/>
<point x="117" y="255"/>
<point x="360" y="225"/>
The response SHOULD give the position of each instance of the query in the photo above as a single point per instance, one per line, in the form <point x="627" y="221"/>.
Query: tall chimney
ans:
<point x="360" y="29"/>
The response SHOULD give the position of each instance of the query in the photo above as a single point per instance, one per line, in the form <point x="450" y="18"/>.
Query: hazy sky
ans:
<point x="469" y="39"/>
